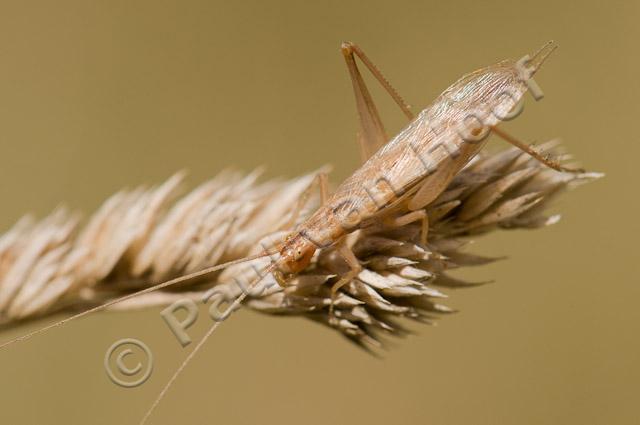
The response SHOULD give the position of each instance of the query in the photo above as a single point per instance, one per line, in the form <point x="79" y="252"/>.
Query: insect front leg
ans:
<point x="533" y="153"/>
<point x="321" y="180"/>
<point x="355" y="268"/>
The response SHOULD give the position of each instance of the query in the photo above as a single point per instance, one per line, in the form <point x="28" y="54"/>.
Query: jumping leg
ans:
<point x="532" y="152"/>
<point x="371" y="134"/>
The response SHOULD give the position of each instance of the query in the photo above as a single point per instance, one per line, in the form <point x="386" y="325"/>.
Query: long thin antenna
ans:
<point x="135" y="294"/>
<point x="191" y="355"/>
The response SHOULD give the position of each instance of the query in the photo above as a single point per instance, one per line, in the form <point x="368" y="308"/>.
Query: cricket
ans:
<point x="398" y="178"/>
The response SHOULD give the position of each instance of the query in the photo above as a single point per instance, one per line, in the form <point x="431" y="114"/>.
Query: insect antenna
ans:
<point x="204" y="339"/>
<point x="171" y="282"/>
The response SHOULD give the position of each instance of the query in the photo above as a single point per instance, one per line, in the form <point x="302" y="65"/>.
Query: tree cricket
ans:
<point x="409" y="171"/>
<point x="399" y="177"/>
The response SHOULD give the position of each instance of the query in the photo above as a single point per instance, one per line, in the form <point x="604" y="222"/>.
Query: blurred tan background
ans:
<point x="99" y="95"/>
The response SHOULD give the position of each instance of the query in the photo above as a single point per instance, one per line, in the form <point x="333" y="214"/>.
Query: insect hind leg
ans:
<point x="371" y="134"/>
<point x="534" y="153"/>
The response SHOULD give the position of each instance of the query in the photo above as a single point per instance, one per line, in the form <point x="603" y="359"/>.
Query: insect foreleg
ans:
<point x="322" y="181"/>
<point x="533" y="153"/>
<point x="355" y="268"/>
